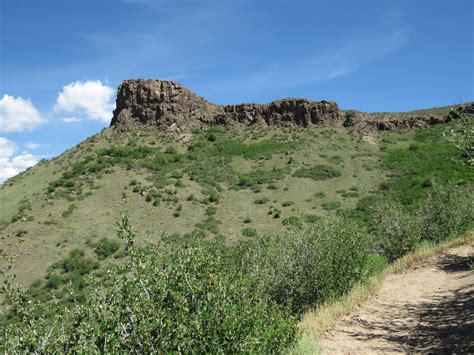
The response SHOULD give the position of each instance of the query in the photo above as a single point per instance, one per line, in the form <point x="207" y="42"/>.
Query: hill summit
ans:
<point x="168" y="106"/>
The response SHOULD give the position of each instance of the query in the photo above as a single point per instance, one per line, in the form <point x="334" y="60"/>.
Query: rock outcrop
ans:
<point x="168" y="106"/>
<point x="413" y="122"/>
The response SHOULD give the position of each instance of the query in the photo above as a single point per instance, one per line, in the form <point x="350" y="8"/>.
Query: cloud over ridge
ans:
<point x="90" y="96"/>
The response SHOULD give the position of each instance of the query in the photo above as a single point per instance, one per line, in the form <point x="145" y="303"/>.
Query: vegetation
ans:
<point x="184" y="301"/>
<point x="311" y="263"/>
<point x="444" y="214"/>
<point x="318" y="172"/>
<point x="239" y="233"/>
<point x="461" y="135"/>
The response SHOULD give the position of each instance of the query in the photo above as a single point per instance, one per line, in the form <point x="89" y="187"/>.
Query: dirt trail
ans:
<point x="428" y="308"/>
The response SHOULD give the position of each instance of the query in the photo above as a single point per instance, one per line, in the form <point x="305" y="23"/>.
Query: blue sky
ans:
<point x="62" y="60"/>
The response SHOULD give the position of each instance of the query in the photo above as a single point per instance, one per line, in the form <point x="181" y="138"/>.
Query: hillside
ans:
<point x="246" y="215"/>
<point x="215" y="179"/>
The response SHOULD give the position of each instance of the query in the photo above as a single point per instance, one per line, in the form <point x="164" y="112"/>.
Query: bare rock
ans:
<point x="168" y="106"/>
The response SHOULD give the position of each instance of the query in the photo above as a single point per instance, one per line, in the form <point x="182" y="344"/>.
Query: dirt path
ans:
<point x="429" y="308"/>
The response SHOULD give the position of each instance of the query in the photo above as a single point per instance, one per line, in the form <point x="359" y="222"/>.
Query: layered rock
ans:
<point x="413" y="122"/>
<point x="168" y="106"/>
<point x="159" y="104"/>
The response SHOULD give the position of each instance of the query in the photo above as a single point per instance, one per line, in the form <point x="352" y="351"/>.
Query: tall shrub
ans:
<point x="187" y="301"/>
<point x="311" y="263"/>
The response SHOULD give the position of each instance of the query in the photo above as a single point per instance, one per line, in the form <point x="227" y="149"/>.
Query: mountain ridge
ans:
<point x="168" y="106"/>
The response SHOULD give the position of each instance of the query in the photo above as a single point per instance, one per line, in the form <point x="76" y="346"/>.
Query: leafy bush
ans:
<point x="70" y="209"/>
<point x="317" y="172"/>
<point x="446" y="212"/>
<point x="262" y="201"/>
<point x="320" y="194"/>
<point x="252" y="150"/>
<point x="297" y="221"/>
<point x="397" y="230"/>
<point x="260" y="177"/>
<point x="106" y="247"/>
<point x="211" y="210"/>
<point x="188" y="300"/>
<point x="249" y="232"/>
<point x="331" y="205"/>
<point x="312" y="263"/>
<point x="461" y="135"/>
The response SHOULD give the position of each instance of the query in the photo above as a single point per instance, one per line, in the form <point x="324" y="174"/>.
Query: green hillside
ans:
<point x="220" y="182"/>
<point x="225" y="186"/>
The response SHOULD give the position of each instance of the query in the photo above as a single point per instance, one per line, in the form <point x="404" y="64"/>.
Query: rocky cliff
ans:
<point x="170" y="107"/>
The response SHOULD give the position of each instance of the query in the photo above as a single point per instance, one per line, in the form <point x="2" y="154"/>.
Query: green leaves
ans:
<point x="187" y="299"/>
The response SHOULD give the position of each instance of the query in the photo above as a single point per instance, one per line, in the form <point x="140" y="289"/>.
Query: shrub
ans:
<point x="317" y="172"/>
<point x="260" y="177"/>
<point x="249" y="232"/>
<point x="331" y="205"/>
<point x="312" y="263"/>
<point x="397" y="231"/>
<point x="262" y="201"/>
<point x="106" y="247"/>
<point x="211" y="210"/>
<point x="212" y="137"/>
<point x="186" y="301"/>
<point x="320" y="194"/>
<point x="460" y="134"/>
<point x="445" y="213"/>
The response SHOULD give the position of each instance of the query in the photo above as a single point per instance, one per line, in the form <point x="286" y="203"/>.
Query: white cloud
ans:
<point x="32" y="145"/>
<point x="91" y="97"/>
<point x="10" y="165"/>
<point x="7" y="148"/>
<point x="71" y="119"/>
<point x="18" y="114"/>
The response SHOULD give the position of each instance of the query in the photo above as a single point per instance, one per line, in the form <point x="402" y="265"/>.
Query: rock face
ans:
<point x="414" y="122"/>
<point x="157" y="104"/>
<point x="168" y="106"/>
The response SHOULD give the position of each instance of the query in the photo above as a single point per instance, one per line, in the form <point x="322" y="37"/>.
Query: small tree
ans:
<point x="461" y="134"/>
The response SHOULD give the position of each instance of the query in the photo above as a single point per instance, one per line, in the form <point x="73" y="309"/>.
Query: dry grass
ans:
<point x="316" y="322"/>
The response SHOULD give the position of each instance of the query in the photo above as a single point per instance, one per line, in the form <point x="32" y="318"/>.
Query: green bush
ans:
<point x="211" y="210"/>
<point x="446" y="212"/>
<point x="70" y="209"/>
<point x="262" y="201"/>
<point x="249" y="232"/>
<point x="397" y="230"/>
<point x="106" y="247"/>
<point x="317" y="172"/>
<point x="320" y="194"/>
<point x="331" y="205"/>
<point x="310" y="264"/>
<point x="186" y="301"/>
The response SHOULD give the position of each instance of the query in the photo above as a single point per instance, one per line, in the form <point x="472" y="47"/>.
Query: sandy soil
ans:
<point x="429" y="308"/>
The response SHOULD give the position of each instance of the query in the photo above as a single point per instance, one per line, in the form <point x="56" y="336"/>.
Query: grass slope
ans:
<point x="219" y="183"/>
